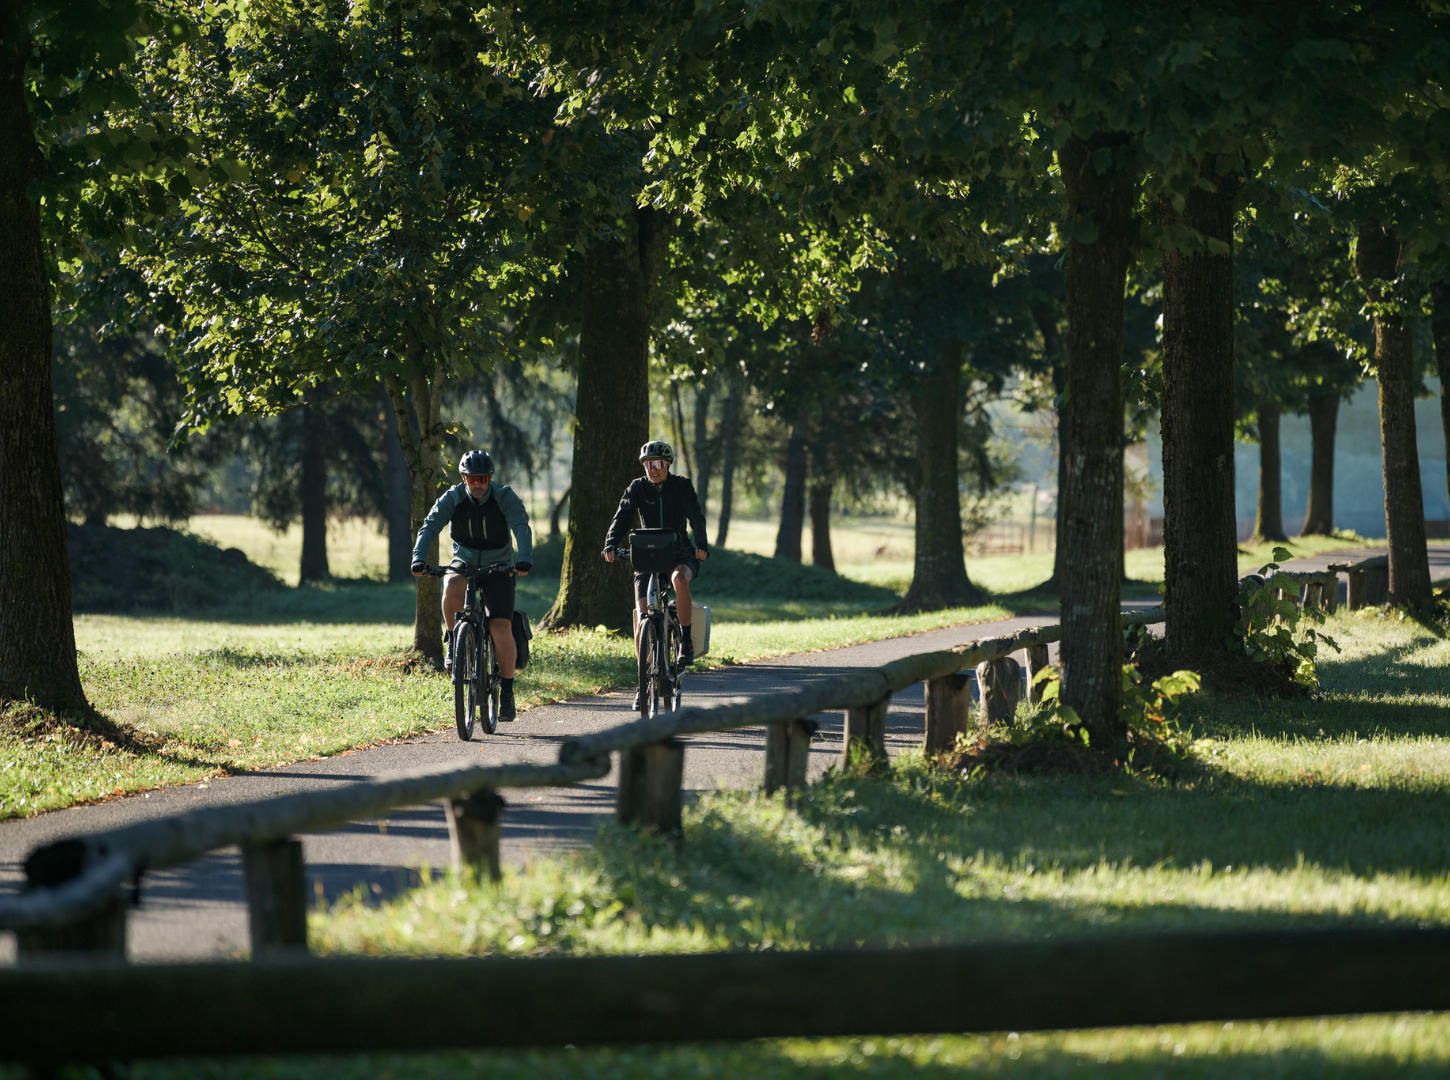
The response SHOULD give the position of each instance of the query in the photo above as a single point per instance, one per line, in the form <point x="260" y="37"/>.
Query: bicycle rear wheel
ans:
<point x="465" y="678"/>
<point x="490" y="681"/>
<point x="650" y="676"/>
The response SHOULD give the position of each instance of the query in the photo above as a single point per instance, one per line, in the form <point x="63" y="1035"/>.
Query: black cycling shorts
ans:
<point x="496" y="591"/>
<point x="687" y="562"/>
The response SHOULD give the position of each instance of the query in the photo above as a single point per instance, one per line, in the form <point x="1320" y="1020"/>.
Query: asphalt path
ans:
<point x="197" y="911"/>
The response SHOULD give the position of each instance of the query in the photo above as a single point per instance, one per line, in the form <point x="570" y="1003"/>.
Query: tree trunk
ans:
<point x="1092" y="640"/>
<point x="399" y="499"/>
<point x="314" y="500"/>
<point x="1323" y="418"/>
<point x="704" y="456"/>
<point x="612" y="417"/>
<point x="422" y="421"/>
<point x="1440" y="328"/>
<point x="1270" y="524"/>
<point x="1200" y="537"/>
<point x="939" y="571"/>
<point x="729" y="434"/>
<point x="37" y="641"/>
<point x="793" y="494"/>
<point x="1377" y="259"/>
<point x="820" y="501"/>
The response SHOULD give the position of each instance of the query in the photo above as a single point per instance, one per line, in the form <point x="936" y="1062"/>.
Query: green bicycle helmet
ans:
<point x="657" y="448"/>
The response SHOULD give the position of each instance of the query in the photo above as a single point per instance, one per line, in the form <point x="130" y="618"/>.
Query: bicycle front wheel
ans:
<point x="651" y="674"/>
<point x="465" y="678"/>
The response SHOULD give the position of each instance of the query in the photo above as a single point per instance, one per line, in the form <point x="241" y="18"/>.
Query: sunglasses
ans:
<point x="477" y="478"/>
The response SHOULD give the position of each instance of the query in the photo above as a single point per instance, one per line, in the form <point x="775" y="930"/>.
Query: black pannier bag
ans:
<point x="654" y="551"/>
<point x="523" y="634"/>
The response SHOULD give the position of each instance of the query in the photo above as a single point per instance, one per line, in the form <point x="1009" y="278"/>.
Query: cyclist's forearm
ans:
<point x="523" y="542"/>
<point x="617" y="527"/>
<point x="433" y="526"/>
<point x="517" y="516"/>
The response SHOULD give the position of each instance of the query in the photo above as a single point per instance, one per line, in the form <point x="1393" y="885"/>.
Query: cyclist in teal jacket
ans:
<point x="484" y="520"/>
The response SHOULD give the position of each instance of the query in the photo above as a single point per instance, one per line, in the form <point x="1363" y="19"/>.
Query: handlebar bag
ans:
<point x="654" y="551"/>
<point x="523" y="634"/>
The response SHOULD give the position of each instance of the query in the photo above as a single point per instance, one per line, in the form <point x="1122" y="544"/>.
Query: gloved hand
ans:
<point x="523" y="568"/>
<point x="419" y="567"/>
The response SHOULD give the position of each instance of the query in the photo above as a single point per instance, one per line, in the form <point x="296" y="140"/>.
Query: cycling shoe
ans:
<point x="506" y="709"/>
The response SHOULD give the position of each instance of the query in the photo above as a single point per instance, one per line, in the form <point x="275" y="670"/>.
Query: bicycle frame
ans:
<point x="667" y="632"/>
<point x="486" y="680"/>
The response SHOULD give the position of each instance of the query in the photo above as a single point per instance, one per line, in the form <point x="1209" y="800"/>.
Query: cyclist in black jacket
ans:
<point x="662" y="500"/>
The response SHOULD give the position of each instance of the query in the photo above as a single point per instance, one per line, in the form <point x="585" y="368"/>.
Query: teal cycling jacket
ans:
<point x="514" y="514"/>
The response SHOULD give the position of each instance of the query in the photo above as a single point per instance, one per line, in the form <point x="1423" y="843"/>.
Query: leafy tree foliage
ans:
<point x="366" y="212"/>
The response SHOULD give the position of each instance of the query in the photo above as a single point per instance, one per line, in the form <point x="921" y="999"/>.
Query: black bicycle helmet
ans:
<point x="657" y="448"/>
<point x="475" y="463"/>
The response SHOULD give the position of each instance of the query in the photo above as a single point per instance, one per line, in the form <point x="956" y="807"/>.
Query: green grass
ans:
<point x="1322" y="813"/>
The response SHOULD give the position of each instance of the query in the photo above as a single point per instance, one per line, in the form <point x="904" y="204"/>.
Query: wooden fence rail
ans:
<point x="112" y="1012"/>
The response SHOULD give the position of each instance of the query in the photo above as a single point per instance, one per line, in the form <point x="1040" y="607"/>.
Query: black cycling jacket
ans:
<point x="670" y="506"/>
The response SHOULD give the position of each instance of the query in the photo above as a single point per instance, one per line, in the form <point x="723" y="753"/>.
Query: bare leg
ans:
<point x="503" y="645"/>
<point x="454" y="589"/>
<point x="681" y="580"/>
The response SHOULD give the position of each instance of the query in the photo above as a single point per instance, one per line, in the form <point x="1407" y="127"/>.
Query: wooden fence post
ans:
<point x="777" y="756"/>
<point x="1036" y="662"/>
<point x="650" y="778"/>
<point x="103" y="932"/>
<point x="866" y="728"/>
<point x="276" y="879"/>
<point x="1001" y="685"/>
<point x="948" y="711"/>
<point x="1313" y="595"/>
<point x="1356" y="589"/>
<point x="474" y="825"/>
<point x="798" y="753"/>
<point x="1376" y="585"/>
<point x="1330" y="593"/>
<point x="787" y="755"/>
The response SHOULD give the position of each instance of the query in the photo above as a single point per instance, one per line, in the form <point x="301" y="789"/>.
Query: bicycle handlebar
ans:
<point x="496" y="568"/>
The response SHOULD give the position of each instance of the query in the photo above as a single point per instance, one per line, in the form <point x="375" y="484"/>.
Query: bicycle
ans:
<point x="661" y="675"/>
<point x="474" y="654"/>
